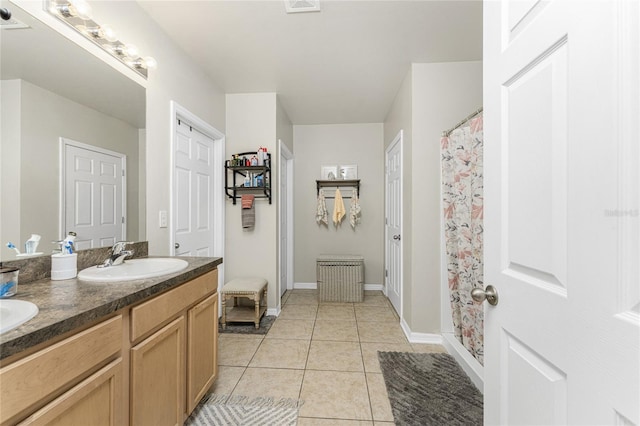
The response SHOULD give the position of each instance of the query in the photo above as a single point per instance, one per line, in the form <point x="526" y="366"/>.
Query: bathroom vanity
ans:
<point x="140" y="352"/>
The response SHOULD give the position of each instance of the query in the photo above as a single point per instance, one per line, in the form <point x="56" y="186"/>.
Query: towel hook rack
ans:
<point x="355" y="183"/>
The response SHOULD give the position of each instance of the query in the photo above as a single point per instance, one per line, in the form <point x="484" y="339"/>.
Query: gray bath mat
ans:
<point x="429" y="389"/>
<point x="228" y="410"/>
<point x="248" y="327"/>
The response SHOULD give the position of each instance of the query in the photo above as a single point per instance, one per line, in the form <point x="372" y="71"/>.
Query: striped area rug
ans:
<point x="429" y="389"/>
<point x="228" y="410"/>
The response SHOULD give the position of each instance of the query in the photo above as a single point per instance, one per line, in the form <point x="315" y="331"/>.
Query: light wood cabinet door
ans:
<point x="96" y="401"/>
<point x="202" y="349"/>
<point x="157" y="377"/>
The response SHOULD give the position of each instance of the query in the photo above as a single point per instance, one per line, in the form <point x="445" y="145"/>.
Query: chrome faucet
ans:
<point x="117" y="254"/>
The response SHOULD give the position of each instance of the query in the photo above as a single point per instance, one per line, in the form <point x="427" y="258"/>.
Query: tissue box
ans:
<point x="8" y="282"/>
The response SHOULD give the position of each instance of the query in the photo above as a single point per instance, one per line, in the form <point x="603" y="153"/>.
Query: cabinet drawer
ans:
<point x="96" y="401"/>
<point x="30" y="380"/>
<point x="153" y="313"/>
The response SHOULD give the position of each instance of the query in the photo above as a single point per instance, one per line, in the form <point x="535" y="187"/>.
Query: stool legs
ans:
<point x="257" y="304"/>
<point x="224" y="312"/>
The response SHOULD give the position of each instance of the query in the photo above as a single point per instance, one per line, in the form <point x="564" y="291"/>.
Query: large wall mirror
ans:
<point x="52" y="89"/>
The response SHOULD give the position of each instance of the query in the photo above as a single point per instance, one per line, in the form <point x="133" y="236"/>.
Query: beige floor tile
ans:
<point x="334" y="356"/>
<point x="370" y="353"/>
<point x="375" y="313"/>
<point x="228" y="378"/>
<point x="281" y="353"/>
<point x="302" y="299"/>
<point x="311" y="291"/>
<point x="335" y="395"/>
<point x="380" y="406"/>
<point x="427" y="348"/>
<point x="344" y="331"/>
<point x="383" y="424"/>
<point x="291" y="329"/>
<point x="270" y="382"/>
<point x="312" y="421"/>
<point x="237" y="351"/>
<point x="342" y="312"/>
<point x="383" y="332"/>
<point x="296" y="312"/>
<point x="375" y="300"/>
<point x="285" y="296"/>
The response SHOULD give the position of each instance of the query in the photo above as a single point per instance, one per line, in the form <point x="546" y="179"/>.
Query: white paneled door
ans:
<point x="193" y="196"/>
<point x="94" y="195"/>
<point x="561" y="212"/>
<point x="393" y="223"/>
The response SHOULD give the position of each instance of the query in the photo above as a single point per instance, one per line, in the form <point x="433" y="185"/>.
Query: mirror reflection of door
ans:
<point x="94" y="194"/>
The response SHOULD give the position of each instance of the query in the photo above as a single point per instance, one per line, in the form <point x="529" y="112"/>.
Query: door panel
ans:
<point x="193" y="210"/>
<point x="561" y="212"/>
<point x="393" y="268"/>
<point x="94" y="195"/>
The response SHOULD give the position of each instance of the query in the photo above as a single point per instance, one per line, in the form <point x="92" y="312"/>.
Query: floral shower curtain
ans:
<point x="463" y="203"/>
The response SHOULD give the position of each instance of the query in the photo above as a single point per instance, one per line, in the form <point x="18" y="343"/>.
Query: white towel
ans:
<point x="322" y="215"/>
<point x="354" y="211"/>
<point x="338" y="208"/>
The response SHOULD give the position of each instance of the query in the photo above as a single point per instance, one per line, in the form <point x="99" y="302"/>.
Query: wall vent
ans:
<point x="298" y="6"/>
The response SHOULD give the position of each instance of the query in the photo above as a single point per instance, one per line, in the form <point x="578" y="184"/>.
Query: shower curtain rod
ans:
<point x="460" y="123"/>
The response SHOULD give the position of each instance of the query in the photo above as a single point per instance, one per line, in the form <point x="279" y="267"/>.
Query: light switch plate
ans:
<point x="163" y="219"/>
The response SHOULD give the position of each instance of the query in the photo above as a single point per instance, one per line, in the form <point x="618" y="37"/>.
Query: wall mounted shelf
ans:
<point x="235" y="189"/>
<point x="354" y="183"/>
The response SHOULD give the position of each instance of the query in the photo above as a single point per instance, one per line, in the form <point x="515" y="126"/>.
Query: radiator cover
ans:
<point x="340" y="278"/>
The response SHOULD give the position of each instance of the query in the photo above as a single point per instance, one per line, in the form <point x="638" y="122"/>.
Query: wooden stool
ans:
<point x="251" y="288"/>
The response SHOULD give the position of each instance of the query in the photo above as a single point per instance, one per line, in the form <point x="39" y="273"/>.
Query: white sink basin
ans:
<point x="15" y="312"/>
<point x="134" y="269"/>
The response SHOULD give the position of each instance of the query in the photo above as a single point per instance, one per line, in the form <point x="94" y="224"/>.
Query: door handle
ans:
<point x="396" y="237"/>
<point x="490" y="294"/>
<point x="176" y="246"/>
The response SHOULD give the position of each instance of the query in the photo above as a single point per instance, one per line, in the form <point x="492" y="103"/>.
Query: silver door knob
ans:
<point x="176" y="246"/>
<point x="396" y="237"/>
<point x="490" y="294"/>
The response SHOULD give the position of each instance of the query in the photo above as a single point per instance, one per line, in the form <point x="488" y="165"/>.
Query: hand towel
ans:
<point x="354" y="210"/>
<point x="247" y="201"/>
<point x="322" y="215"/>
<point x="338" y="208"/>
<point x="247" y="211"/>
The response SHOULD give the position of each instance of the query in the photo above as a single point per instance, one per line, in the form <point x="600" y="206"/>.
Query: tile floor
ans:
<point x="322" y="353"/>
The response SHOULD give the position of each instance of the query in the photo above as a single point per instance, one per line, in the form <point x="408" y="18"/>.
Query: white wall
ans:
<point x="441" y="94"/>
<point x="317" y="145"/>
<point x="43" y="118"/>
<point x="251" y="123"/>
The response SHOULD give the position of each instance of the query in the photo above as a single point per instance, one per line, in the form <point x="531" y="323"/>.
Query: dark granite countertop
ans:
<point x="69" y="304"/>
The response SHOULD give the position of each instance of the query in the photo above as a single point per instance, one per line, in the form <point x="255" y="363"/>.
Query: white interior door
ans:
<point x="393" y="223"/>
<point x="286" y="218"/>
<point x="94" y="195"/>
<point x="561" y="212"/>
<point x="193" y="196"/>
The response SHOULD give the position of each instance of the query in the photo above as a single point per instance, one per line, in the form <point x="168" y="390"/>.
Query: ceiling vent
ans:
<point x="298" y="6"/>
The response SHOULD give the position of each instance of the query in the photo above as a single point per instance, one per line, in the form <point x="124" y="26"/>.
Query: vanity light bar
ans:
<point x="77" y="14"/>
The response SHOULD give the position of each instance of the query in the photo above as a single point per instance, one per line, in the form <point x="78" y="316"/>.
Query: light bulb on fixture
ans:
<point x="144" y="63"/>
<point x="74" y="8"/>
<point x="131" y="51"/>
<point x="108" y="33"/>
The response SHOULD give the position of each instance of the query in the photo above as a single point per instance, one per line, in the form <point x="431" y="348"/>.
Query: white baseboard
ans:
<point x="273" y="311"/>
<point x="305" y="286"/>
<point x="434" y="339"/>
<point x="469" y="364"/>
<point x="313" y="286"/>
